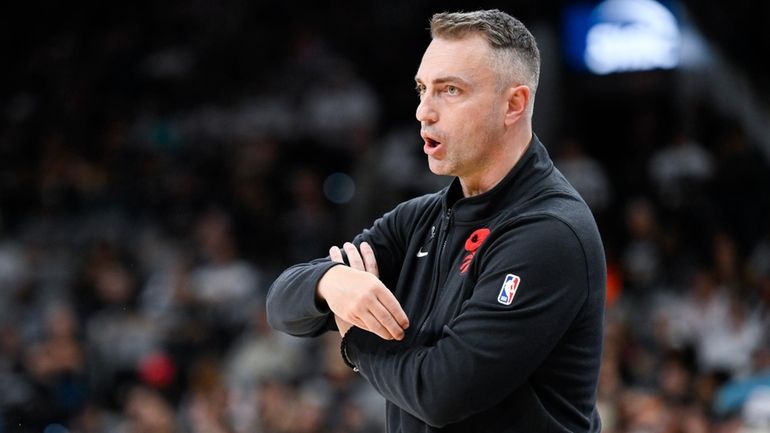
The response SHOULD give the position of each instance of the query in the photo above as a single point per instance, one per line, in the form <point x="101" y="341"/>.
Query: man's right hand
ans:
<point x="357" y="296"/>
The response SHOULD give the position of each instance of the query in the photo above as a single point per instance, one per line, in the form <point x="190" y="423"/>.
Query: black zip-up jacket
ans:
<point x="505" y="296"/>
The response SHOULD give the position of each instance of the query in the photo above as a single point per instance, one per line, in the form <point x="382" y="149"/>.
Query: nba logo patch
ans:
<point x="508" y="291"/>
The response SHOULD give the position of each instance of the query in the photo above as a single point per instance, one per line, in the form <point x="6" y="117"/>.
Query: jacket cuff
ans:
<point x="358" y="343"/>
<point x="344" y="351"/>
<point x="351" y="344"/>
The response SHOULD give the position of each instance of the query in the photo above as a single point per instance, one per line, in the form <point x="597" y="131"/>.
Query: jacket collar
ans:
<point x="519" y="185"/>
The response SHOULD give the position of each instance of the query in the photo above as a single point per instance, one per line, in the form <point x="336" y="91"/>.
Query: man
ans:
<point x="478" y="308"/>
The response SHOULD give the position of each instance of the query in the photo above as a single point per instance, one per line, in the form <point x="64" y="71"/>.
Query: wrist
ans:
<point x="325" y="282"/>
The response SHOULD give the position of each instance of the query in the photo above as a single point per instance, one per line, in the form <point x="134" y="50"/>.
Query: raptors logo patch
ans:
<point x="508" y="291"/>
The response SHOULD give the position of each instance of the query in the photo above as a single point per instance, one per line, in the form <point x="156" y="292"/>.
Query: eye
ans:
<point x="420" y="88"/>
<point x="452" y="90"/>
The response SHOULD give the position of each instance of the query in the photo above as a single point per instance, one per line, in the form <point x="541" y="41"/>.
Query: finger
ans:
<point x="335" y="254"/>
<point x="354" y="257"/>
<point x="373" y="325"/>
<point x="370" y="261"/>
<point x="389" y="301"/>
<point x="387" y="320"/>
<point x="357" y="322"/>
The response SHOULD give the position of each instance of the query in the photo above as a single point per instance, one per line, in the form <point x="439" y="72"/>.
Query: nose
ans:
<point x="425" y="111"/>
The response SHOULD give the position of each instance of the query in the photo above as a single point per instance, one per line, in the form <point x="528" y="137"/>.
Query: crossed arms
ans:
<point x="356" y="296"/>
<point x="483" y="355"/>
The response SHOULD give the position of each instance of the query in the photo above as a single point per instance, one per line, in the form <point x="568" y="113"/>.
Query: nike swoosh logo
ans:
<point x="422" y="253"/>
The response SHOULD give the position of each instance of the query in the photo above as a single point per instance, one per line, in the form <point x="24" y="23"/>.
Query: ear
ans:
<point x="518" y="101"/>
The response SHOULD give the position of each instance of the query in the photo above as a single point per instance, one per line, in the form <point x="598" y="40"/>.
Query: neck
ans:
<point x="499" y="166"/>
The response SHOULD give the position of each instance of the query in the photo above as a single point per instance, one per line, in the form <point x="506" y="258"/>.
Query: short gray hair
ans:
<point x="516" y="56"/>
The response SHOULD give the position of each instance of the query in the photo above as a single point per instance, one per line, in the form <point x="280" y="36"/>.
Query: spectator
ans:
<point x="225" y="287"/>
<point x="147" y="411"/>
<point x="679" y="170"/>
<point x="642" y="256"/>
<point x="585" y="173"/>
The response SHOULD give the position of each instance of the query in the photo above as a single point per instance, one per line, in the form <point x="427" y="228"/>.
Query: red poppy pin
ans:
<point x="472" y="244"/>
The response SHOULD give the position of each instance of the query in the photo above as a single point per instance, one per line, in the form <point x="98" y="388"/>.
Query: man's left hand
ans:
<point x="363" y="260"/>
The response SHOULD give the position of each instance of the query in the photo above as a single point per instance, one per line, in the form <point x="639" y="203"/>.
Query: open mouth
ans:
<point x="432" y="146"/>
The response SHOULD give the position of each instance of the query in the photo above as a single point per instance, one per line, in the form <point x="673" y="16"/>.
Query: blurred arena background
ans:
<point x="160" y="162"/>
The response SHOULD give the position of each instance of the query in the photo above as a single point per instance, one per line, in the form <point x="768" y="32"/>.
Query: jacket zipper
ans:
<point x="443" y="237"/>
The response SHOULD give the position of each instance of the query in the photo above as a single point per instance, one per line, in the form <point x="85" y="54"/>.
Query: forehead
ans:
<point x="468" y="58"/>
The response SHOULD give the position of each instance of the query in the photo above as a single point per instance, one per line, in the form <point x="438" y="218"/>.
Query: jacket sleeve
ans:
<point x="292" y="305"/>
<point x="488" y="349"/>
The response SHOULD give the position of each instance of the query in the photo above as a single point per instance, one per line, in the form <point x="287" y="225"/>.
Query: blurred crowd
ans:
<point x="144" y="212"/>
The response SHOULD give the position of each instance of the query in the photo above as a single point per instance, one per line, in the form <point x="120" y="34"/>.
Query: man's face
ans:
<point x="461" y="112"/>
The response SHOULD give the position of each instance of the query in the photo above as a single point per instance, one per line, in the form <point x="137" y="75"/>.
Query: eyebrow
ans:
<point x="448" y="78"/>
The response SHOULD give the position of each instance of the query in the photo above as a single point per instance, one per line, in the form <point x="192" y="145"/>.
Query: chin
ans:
<point x="439" y="168"/>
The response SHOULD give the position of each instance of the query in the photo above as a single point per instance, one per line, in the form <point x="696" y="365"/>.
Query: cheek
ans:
<point x="493" y="127"/>
<point x="476" y="128"/>
<point x="471" y="127"/>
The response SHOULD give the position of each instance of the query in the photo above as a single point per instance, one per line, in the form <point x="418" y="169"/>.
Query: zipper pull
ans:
<point x="447" y="220"/>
